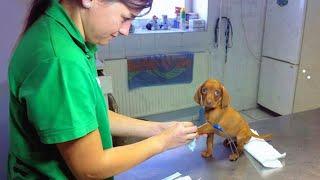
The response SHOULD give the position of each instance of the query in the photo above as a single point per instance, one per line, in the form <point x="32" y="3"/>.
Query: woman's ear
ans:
<point x="225" y="101"/>
<point x="87" y="3"/>
<point x="197" y="96"/>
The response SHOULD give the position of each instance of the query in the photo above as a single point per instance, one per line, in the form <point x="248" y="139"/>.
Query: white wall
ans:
<point x="12" y="16"/>
<point x="240" y="74"/>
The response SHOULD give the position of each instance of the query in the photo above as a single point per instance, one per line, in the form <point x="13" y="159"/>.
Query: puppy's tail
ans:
<point x="266" y="137"/>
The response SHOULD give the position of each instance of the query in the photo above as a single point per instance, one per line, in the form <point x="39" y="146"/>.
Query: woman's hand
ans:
<point x="177" y="134"/>
<point x="162" y="126"/>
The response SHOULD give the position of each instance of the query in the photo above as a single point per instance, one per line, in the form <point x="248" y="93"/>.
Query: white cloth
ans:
<point x="184" y="178"/>
<point x="263" y="152"/>
<point x="173" y="176"/>
<point x="177" y="176"/>
<point x="192" y="145"/>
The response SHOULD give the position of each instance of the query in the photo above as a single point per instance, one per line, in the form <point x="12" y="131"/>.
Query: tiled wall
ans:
<point x="240" y="73"/>
<point x="142" y="44"/>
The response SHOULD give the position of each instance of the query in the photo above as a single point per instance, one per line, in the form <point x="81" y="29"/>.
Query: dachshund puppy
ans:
<point x="216" y="100"/>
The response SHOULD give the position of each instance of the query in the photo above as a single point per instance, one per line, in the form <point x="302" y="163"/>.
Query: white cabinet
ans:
<point x="277" y="90"/>
<point x="284" y="30"/>
<point x="290" y="68"/>
<point x="308" y="84"/>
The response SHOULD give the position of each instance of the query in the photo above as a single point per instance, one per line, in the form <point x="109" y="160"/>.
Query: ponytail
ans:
<point x="37" y="8"/>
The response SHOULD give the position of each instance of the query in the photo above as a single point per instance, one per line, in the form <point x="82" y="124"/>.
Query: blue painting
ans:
<point x="160" y="69"/>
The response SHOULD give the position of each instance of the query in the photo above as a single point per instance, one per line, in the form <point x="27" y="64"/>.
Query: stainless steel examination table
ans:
<point x="297" y="135"/>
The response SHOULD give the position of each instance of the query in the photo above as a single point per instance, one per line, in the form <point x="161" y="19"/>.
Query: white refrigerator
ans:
<point x="282" y="42"/>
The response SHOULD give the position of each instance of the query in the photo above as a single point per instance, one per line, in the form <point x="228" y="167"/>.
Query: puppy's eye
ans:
<point x="204" y="90"/>
<point x="217" y="93"/>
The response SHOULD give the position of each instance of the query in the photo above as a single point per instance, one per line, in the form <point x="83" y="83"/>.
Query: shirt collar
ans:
<point x="57" y="12"/>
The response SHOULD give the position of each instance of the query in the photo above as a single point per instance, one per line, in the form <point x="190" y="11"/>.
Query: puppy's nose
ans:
<point x="209" y="102"/>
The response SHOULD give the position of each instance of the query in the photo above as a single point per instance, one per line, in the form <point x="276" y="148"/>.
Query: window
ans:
<point x="161" y="7"/>
<point x="196" y="10"/>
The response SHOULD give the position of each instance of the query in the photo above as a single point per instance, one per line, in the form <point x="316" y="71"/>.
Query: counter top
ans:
<point x="295" y="134"/>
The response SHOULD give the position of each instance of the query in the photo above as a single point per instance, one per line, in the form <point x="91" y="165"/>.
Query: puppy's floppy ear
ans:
<point x="197" y="96"/>
<point x="225" y="101"/>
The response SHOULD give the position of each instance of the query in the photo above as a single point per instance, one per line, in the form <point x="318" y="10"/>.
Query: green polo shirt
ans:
<point x="55" y="96"/>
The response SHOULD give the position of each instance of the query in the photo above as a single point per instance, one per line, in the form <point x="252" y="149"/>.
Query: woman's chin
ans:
<point x="104" y="41"/>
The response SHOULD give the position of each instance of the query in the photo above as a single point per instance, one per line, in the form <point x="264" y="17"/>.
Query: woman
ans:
<point x="59" y="124"/>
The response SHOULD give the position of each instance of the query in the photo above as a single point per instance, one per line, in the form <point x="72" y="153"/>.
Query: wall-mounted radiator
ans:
<point x="158" y="99"/>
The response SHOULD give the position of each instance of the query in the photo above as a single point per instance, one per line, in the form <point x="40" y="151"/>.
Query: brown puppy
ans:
<point x="215" y="98"/>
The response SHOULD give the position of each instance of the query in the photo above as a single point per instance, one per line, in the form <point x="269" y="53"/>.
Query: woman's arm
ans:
<point x="122" y="125"/>
<point x="87" y="160"/>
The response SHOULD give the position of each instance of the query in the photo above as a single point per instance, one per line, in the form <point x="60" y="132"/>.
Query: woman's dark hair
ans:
<point x="37" y="8"/>
<point x="138" y="5"/>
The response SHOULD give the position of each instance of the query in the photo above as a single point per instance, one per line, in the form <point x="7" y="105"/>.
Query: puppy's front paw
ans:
<point x="233" y="157"/>
<point x="206" y="154"/>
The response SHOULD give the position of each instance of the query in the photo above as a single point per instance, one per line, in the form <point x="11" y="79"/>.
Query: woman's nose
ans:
<point x="124" y="28"/>
<point x="115" y="34"/>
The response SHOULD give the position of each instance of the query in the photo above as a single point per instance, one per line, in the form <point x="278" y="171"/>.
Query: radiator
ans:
<point x="158" y="99"/>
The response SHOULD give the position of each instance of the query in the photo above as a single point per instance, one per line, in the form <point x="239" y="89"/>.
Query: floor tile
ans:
<point x="257" y="114"/>
<point x="247" y="118"/>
